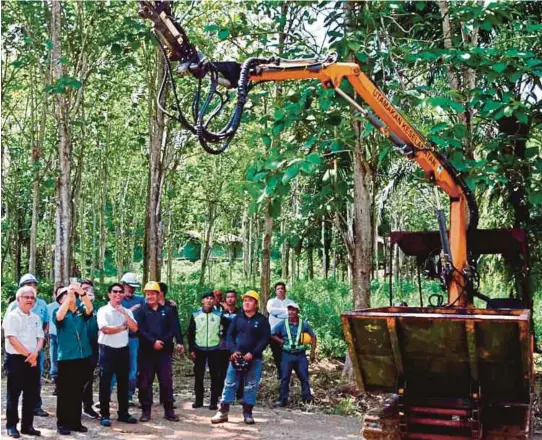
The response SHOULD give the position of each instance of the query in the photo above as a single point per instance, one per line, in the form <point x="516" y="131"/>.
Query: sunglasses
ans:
<point x="117" y="291"/>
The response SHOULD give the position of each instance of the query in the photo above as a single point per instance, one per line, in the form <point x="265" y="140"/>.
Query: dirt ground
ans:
<point x="271" y="423"/>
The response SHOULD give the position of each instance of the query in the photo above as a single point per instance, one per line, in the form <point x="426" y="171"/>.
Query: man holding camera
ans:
<point x="74" y="352"/>
<point x="248" y="335"/>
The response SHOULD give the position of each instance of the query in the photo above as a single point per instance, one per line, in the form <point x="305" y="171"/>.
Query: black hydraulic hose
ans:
<point x="471" y="201"/>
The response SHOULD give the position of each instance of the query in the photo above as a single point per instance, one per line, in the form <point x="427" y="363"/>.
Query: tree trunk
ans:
<point x="325" y="250"/>
<point x="63" y="187"/>
<point x="157" y="142"/>
<point x="245" y="233"/>
<point x="310" y="263"/>
<point x="206" y="253"/>
<point x="285" y="255"/>
<point x="265" y="279"/>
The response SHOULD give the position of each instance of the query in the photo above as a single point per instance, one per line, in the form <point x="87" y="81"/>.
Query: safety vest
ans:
<point x="207" y="328"/>
<point x="291" y="345"/>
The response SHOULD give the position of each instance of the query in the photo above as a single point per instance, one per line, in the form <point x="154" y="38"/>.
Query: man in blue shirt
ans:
<point x="53" y="345"/>
<point x="292" y="335"/>
<point x="133" y="303"/>
<point x="40" y="309"/>
<point x="248" y="335"/>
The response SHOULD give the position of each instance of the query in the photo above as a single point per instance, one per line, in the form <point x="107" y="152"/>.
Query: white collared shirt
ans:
<point x="278" y="310"/>
<point x="26" y="328"/>
<point x="108" y="316"/>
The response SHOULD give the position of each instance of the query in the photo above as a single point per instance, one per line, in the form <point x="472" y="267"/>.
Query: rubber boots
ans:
<point x="222" y="415"/>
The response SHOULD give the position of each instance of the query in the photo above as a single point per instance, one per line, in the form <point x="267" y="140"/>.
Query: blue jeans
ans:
<point x="53" y="356"/>
<point x="250" y="380"/>
<point x="298" y="363"/>
<point x="133" y="347"/>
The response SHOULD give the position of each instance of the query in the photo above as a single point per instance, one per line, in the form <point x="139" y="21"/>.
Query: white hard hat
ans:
<point x="27" y="278"/>
<point x="130" y="279"/>
<point x="294" y="306"/>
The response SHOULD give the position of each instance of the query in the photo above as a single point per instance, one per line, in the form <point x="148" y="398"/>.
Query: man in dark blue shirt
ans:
<point x="157" y="328"/>
<point x="248" y="335"/>
<point x="230" y="311"/>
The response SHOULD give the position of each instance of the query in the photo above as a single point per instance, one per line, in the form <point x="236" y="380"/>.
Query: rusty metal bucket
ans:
<point x="447" y="354"/>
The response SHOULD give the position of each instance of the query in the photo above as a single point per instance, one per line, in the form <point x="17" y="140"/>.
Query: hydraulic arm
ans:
<point x="384" y="116"/>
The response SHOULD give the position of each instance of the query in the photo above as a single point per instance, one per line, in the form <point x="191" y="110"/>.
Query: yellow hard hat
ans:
<point x="152" y="285"/>
<point x="252" y="294"/>
<point x="305" y="338"/>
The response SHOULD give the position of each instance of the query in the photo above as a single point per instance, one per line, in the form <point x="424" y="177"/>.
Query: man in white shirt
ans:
<point x="24" y="335"/>
<point x="114" y="321"/>
<point x="278" y="311"/>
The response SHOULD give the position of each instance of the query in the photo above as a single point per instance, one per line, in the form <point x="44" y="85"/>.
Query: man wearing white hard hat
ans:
<point x="132" y="302"/>
<point x="40" y="309"/>
<point x="296" y="336"/>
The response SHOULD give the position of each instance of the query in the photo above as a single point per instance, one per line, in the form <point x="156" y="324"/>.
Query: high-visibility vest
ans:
<point x="290" y="344"/>
<point x="207" y="328"/>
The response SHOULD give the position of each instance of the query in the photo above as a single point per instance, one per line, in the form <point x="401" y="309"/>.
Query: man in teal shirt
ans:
<point x="74" y="352"/>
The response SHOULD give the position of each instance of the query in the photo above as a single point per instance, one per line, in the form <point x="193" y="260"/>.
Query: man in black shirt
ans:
<point x="157" y="328"/>
<point x="248" y="335"/>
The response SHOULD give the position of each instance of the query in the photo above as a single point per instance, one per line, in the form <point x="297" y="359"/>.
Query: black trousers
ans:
<point x="150" y="364"/>
<point x="88" y="397"/>
<point x="22" y="378"/>
<point x="72" y="375"/>
<point x="224" y="363"/>
<point x="276" y="349"/>
<point x="212" y="357"/>
<point x="114" y="361"/>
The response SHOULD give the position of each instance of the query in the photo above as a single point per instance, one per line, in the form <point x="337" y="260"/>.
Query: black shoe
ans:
<point x="62" y="430"/>
<point x="197" y="405"/>
<point x="213" y="407"/>
<point x="145" y="417"/>
<point x="30" y="431"/>
<point x="172" y="417"/>
<point x="80" y="428"/>
<point x="13" y="433"/>
<point x="41" y="413"/>
<point x="127" y="418"/>
<point x="89" y="412"/>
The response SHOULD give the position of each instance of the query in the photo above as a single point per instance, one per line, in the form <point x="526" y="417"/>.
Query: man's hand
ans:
<point x="119" y="309"/>
<point x="235" y="356"/>
<point x="192" y="355"/>
<point x="135" y="307"/>
<point x="158" y="345"/>
<point x="172" y="303"/>
<point x="32" y="358"/>
<point x="248" y="357"/>
<point x="179" y="348"/>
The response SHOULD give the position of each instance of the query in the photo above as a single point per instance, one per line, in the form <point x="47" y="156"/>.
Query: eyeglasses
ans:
<point x="117" y="291"/>
<point x="33" y="298"/>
